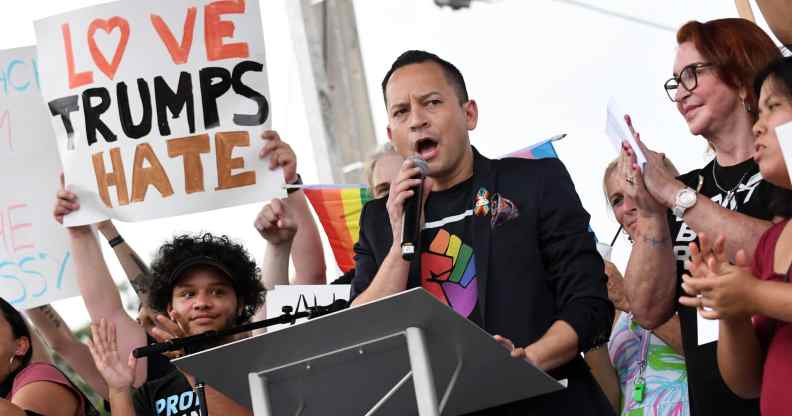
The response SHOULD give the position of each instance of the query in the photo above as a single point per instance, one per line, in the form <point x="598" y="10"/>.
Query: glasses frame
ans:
<point x="694" y="68"/>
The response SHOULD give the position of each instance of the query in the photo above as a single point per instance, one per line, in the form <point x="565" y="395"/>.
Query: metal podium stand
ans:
<point x="363" y="360"/>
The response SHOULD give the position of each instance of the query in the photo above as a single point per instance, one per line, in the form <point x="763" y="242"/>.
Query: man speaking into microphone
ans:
<point x="505" y="243"/>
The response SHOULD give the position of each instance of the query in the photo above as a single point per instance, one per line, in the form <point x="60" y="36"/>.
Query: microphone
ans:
<point x="413" y="207"/>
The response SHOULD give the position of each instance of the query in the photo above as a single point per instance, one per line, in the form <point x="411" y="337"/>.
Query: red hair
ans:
<point x="738" y="48"/>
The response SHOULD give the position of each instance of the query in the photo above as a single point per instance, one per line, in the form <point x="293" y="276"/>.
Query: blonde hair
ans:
<point x="386" y="149"/>
<point x="612" y="166"/>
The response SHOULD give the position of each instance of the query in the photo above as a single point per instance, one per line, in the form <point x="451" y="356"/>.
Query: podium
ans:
<point x="390" y="357"/>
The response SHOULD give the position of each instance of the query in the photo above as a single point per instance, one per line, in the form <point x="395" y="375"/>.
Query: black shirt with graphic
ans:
<point x="448" y="264"/>
<point x="169" y="395"/>
<point x="743" y="190"/>
<point x="166" y="392"/>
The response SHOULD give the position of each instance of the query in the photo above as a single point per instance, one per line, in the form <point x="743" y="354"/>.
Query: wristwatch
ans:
<point x="685" y="199"/>
<point x="297" y="181"/>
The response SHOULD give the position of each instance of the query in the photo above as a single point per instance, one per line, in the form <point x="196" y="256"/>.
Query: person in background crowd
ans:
<point x="712" y="89"/>
<point x="58" y="336"/>
<point x="381" y="168"/>
<point x="545" y="294"/>
<point x="650" y="376"/>
<point x="299" y="223"/>
<point x="62" y="340"/>
<point x="203" y="282"/>
<point x="754" y="354"/>
<point x="30" y="388"/>
<point x="289" y="229"/>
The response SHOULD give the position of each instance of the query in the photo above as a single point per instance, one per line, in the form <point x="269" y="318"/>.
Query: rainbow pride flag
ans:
<point x="338" y="208"/>
<point x="539" y="150"/>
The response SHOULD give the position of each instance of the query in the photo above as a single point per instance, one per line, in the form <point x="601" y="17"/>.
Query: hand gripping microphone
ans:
<point x="413" y="207"/>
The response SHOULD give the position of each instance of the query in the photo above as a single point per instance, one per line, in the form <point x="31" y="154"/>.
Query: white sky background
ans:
<point x="537" y="68"/>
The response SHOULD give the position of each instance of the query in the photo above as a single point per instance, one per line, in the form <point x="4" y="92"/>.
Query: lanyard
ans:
<point x="639" y="389"/>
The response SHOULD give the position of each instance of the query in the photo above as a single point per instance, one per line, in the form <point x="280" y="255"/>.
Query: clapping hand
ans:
<point x="717" y="288"/>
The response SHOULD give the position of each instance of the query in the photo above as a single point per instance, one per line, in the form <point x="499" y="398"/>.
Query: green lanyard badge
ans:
<point x="639" y="389"/>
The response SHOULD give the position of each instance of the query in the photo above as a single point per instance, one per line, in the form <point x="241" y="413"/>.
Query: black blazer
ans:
<point x="535" y="269"/>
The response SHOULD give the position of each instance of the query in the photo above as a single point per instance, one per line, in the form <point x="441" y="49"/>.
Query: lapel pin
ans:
<point x="482" y="203"/>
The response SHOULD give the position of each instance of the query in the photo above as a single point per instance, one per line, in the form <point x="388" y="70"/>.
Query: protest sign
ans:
<point x="35" y="265"/>
<point x="158" y="106"/>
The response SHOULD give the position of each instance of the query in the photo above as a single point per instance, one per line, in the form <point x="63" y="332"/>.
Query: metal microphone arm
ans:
<point x="288" y="317"/>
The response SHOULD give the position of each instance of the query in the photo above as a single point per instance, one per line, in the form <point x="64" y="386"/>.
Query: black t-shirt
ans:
<point x="157" y="365"/>
<point x="170" y="395"/>
<point x="166" y="391"/>
<point x="743" y="190"/>
<point x="448" y="263"/>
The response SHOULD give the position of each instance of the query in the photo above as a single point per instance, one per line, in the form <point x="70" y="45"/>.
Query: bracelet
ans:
<point x="297" y="181"/>
<point x="115" y="241"/>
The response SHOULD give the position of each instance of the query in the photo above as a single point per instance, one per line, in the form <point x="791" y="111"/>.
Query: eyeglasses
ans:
<point x="688" y="79"/>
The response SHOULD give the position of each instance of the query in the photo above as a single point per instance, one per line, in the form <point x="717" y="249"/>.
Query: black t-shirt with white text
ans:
<point x="170" y="395"/>
<point x="739" y="188"/>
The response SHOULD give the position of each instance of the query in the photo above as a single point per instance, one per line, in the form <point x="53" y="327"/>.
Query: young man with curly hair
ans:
<point x="202" y="282"/>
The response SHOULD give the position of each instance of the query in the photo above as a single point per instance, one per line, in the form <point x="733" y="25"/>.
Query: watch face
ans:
<point x="687" y="199"/>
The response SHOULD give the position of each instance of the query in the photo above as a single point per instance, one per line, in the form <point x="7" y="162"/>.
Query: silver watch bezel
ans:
<point x="680" y="203"/>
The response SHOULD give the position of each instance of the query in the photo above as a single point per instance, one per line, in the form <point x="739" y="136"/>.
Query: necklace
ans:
<point x="730" y="192"/>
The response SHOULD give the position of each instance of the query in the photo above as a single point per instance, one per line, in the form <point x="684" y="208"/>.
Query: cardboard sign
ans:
<point x="35" y="265"/>
<point x="158" y="106"/>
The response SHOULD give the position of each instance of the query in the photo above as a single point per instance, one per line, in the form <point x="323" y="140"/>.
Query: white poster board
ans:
<point x="35" y="265"/>
<point x="158" y="106"/>
<point x="288" y="295"/>
<point x="784" y="134"/>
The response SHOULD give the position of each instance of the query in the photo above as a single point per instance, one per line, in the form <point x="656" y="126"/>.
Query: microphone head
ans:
<point x="420" y="164"/>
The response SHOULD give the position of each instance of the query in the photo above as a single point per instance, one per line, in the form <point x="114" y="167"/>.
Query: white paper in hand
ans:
<point x="707" y="329"/>
<point x="784" y="134"/>
<point x="618" y="131"/>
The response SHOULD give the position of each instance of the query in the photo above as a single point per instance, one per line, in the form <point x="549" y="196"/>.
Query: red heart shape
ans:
<point x="108" y="26"/>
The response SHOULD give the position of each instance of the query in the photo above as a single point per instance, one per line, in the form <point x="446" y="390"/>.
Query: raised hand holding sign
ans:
<point x="149" y="126"/>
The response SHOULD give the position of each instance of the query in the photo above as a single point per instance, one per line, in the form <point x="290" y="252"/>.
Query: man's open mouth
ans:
<point x="426" y="147"/>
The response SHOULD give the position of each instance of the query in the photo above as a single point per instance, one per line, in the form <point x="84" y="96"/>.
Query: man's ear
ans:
<point x="390" y="135"/>
<point x="471" y="114"/>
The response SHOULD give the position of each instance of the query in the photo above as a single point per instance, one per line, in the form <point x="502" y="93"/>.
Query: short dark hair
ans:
<point x="780" y="71"/>
<point x="242" y="270"/>
<point x="19" y="328"/>
<point x="451" y="72"/>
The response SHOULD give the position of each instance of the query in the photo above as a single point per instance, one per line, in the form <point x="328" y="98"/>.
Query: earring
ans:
<point x="11" y="361"/>
<point x="747" y="107"/>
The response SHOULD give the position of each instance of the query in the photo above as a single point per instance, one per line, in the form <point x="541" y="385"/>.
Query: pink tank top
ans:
<point x="36" y="372"/>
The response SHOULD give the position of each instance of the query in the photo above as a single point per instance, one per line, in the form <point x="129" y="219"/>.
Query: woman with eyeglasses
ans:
<point x="753" y="303"/>
<point x="711" y="87"/>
